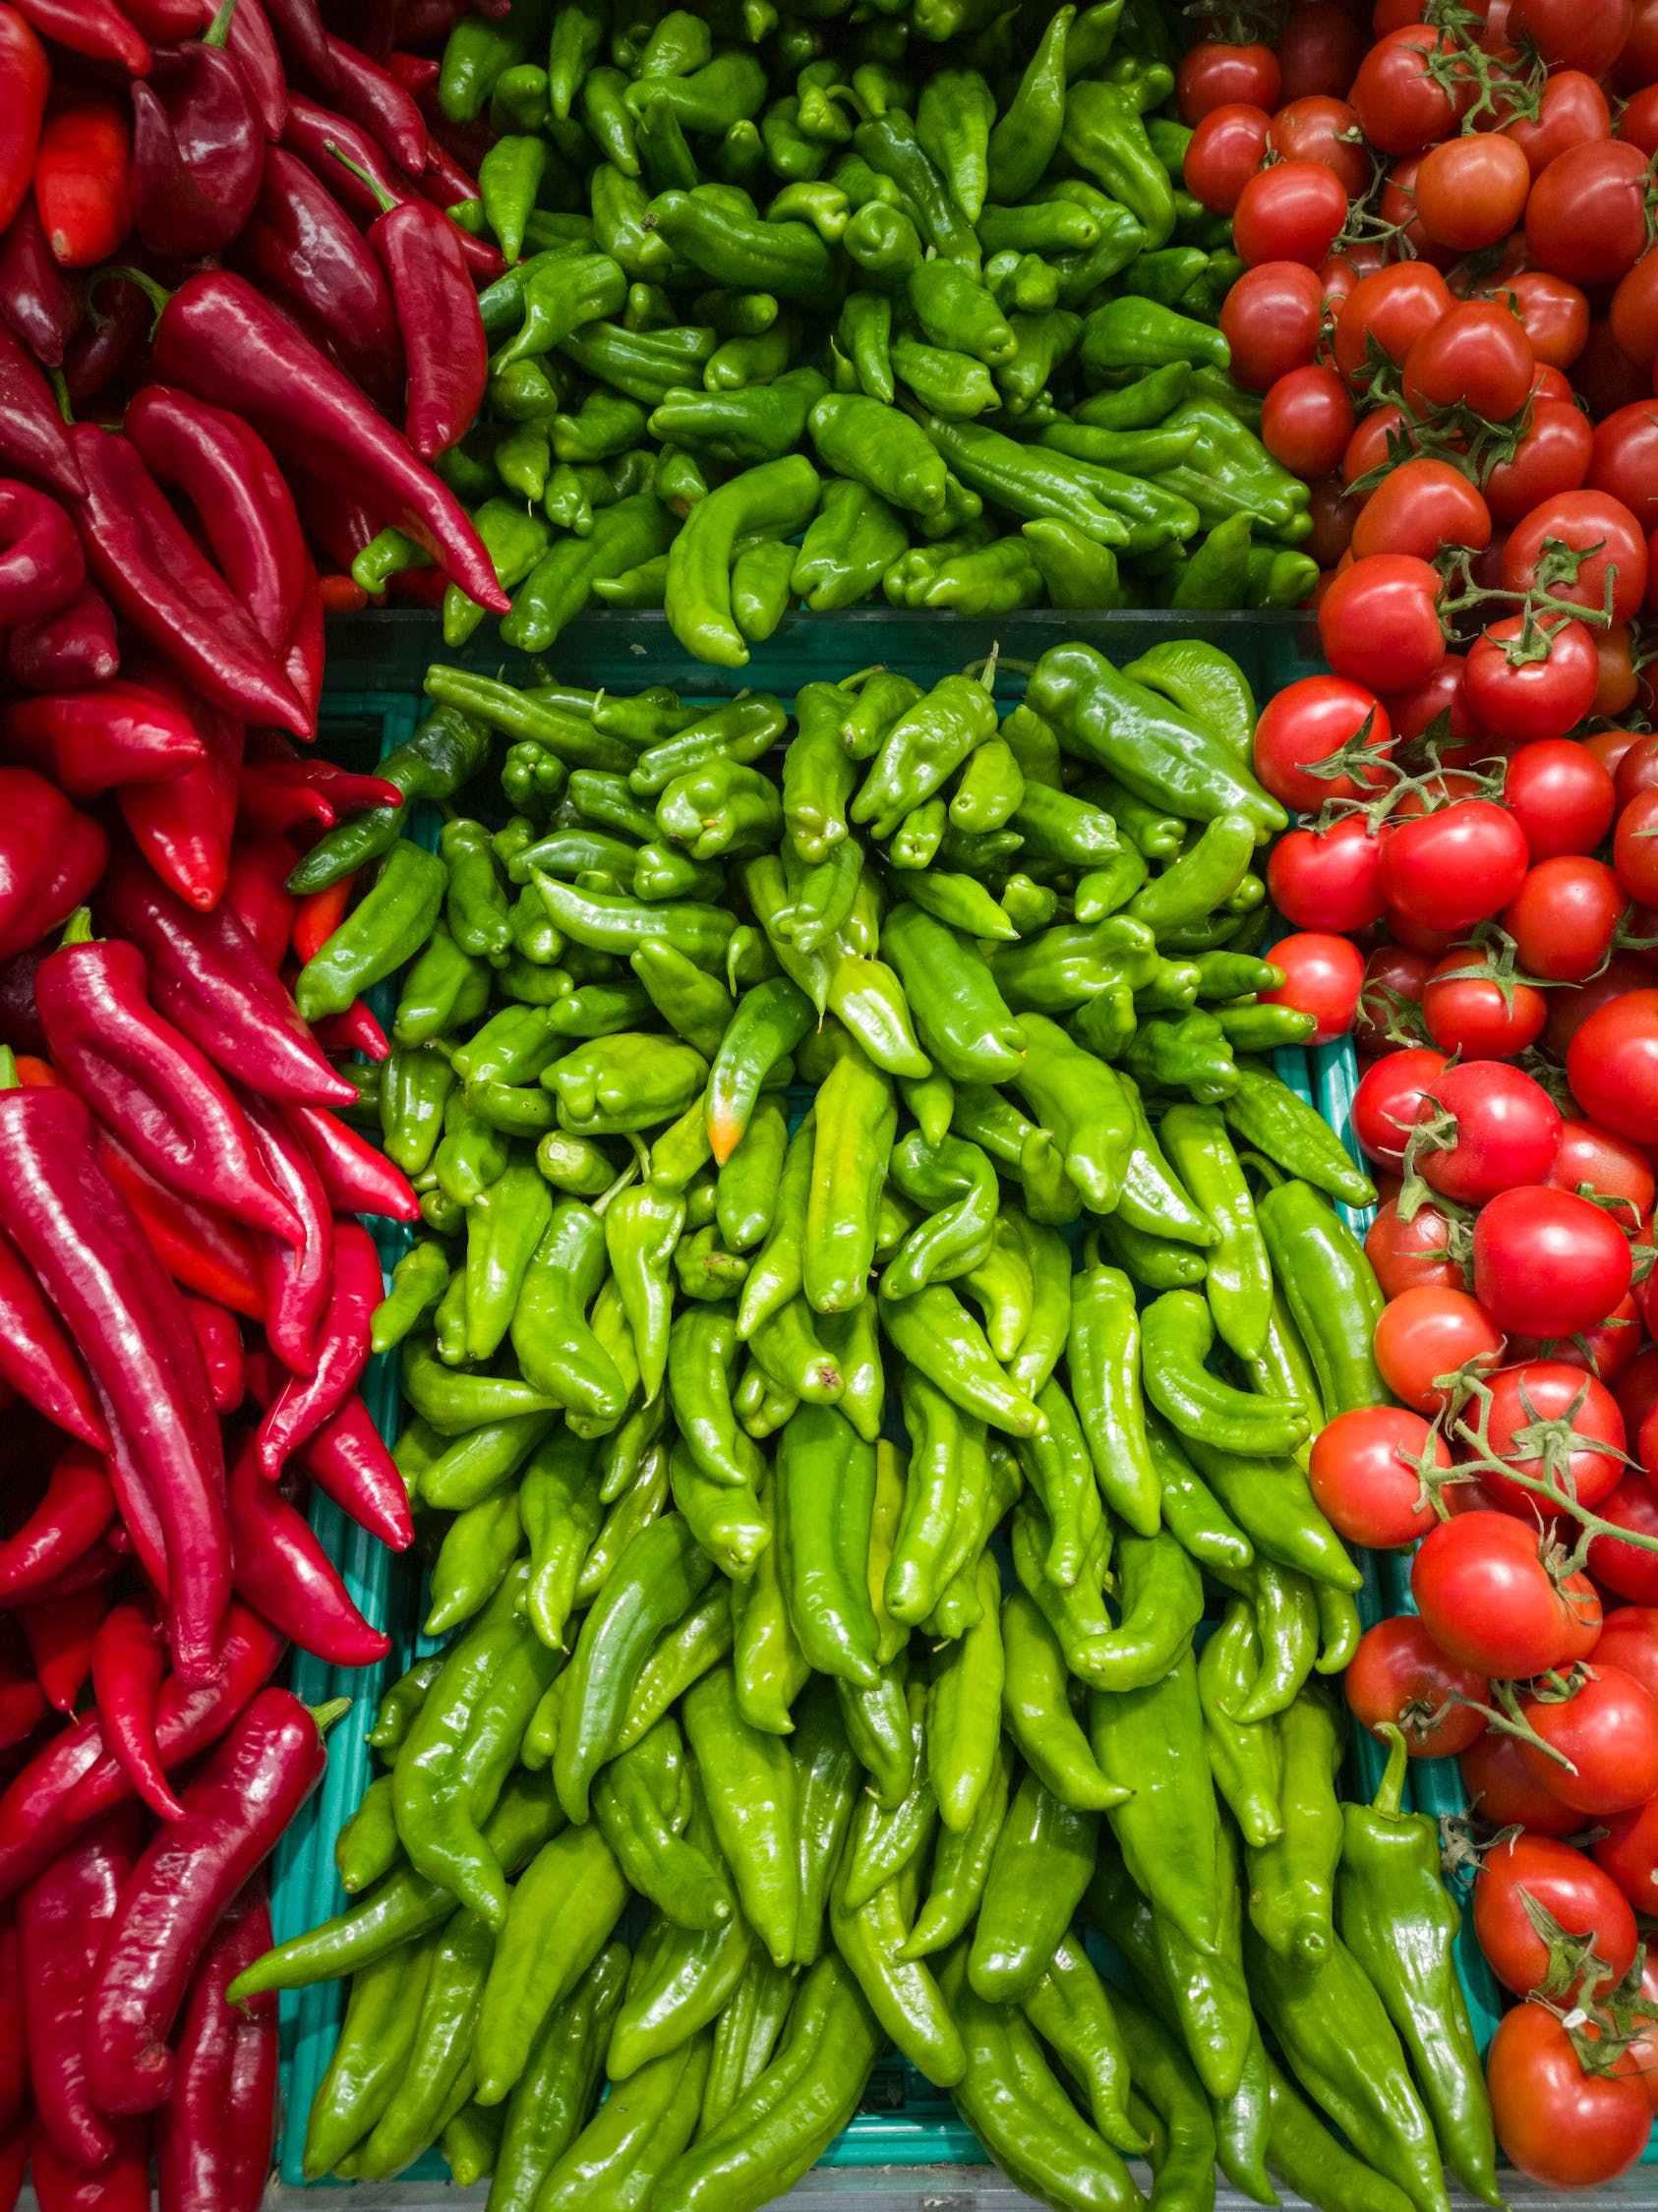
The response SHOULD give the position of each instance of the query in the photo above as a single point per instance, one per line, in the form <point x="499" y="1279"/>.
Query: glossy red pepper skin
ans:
<point x="303" y="663"/>
<point x="252" y="46"/>
<point x="341" y="1351"/>
<point x="356" y="1175"/>
<point x="350" y="1464"/>
<point x="66" y="651"/>
<point x="33" y="437"/>
<point x="78" y="1507"/>
<point x="41" y="564"/>
<point x="83" y="179"/>
<point x="61" y="1917"/>
<point x="150" y="1085"/>
<point x="220" y="1339"/>
<point x="40" y="1362"/>
<point x="94" y="27"/>
<point x="90" y="740"/>
<point x="198" y="148"/>
<point x="213" y="2134"/>
<point x="416" y="73"/>
<point x="371" y="96"/>
<point x="50" y="857"/>
<point x="443" y="332"/>
<point x="281" y="764"/>
<point x="184" y="826"/>
<point x="129" y="1663"/>
<point x="354" y="1031"/>
<point x="164" y="22"/>
<point x="297" y="1277"/>
<point x="20" y="1019"/>
<point x="113" y="345"/>
<point x="298" y="24"/>
<point x="201" y="1249"/>
<point x="256" y="895"/>
<point x="282" y="1571"/>
<point x="14" y="2159"/>
<point x="27" y="75"/>
<point x="61" y="1630"/>
<point x="235" y="1812"/>
<point x="266" y="801"/>
<point x="41" y="308"/>
<point x="207" y="979"/>
<point x="231" y="479"/>
<point x="310" y="257"/>
<point x="341" y="526"/>
<point x="85" y="1246"/>
<point x="121" y="2185"/>
<point x="142" y="555"/>
<point x="312" y="131"/>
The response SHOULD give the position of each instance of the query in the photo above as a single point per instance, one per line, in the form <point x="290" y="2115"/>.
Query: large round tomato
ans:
<point x="1225" y="153"/>
<point x="1625" y="454"/>
<point x="1214" y="74"/>
<point x="1413" y="1254"/>
<point x="1629" y="1570"/>
<point x="1426" y="1337"/>
<point x="1552" y="456"/>
<point x="1564" y="2127"/>
<point x="1599" y="528"/>
<point x="1473" y="1008"/>
<point x="1450" y="869"/>
<point x="1572" y="1889"/>
<point x="1419" y="507"/>
<point x="1363" y="1473"/>
<point x="1323" y="978"/>
<point x="1573" y="112"/>
<point x="1587" y="216"/>
<point x="1552" y="313"/>
<point x="1549" y="1263"/>
<point x="1317" y="127"/>
<point x="1591" y="1159"/>
<point x="1499" y="1788"/>
<point x="1477" y="355"/>
<point x="1607" y="1728"/>
<point x="1269" y="320"/>
<point x="1392" y="305"/>
<point x="1378" y="622"/>
<point x="1489" y="1601"/>
<point x="1329" y="879"/>
<point x="1292" y="211"/>
<point x="1628" y="1852"/>
<point x="1637" y="63"/>
<point x="1306" y="420"/>
<point x="1308" y="721"/>
<point x="1612" y="1065"/>
<point x="1389" y="1016"/>
<point x="1561" y="795"/>
<point x="1390" y="1098"/>
<point x="1579" y="35"/>
<point x="1399" y="106"/>
<point x="1531" y="698"/>
<point x="1320" y="46"/>
<point x="1504" y="1130"/>
<point x="1470" y="192"/>
<point x="1563" y="916"/>
<point x="1399" y="1677"/>
<point x="1546" y="1390"/>
<point x="1633" y="843"/>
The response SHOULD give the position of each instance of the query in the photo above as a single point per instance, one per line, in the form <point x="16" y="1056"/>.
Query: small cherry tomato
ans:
<point x="1306" y="420"/>
<point x="1413" y="1254"/>
<point x="1399" y="1675"/>
<point x="1217" y="75"/>
<point x="1323" y="976"/>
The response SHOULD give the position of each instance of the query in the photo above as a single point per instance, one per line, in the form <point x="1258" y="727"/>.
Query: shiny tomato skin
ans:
<point x="1472" y="1009"/>
<point x="1563" y="2127"/>
<point x="1470" y="192"/>
<point x="1450" y="869"/>
<point x="1394" y="978"/>
<point x="1216" y="74"/>
<point x="1636" y="1393"/>
<point x="1319" y="128"/>
<point x="1323" y="976"/>
<point x="1424" y="1334"/>
<point x="1529" y="700"/>
<point x="1608" y="1730"/>
<point x="1574" y="112"/>
<point x="1638" y="122"/>
<point x="1633" y="843"/>
<point x="1553" y="455"/>
<point x="1505" y="1131"/>
<point x="1394" y="306"/>
<point x="1399" y="107"/>
<point x="1389" y="1098"/>
<point x="1419" y="507"/>
<point x="1626" y="1569"/>
<point x="1411" y="1254"/>
<point x="1634" y="315"/>
<point x="1499" y="1788"/>
<point x="1271" y="321"/>
<point x="1225" y="153"/>
<point x="1601" y="528"/>
<point x="1477" y="355"/>
<point x="1587" y="216"/>
<point x="1562" y="918"/>
<point x="1307" y="722"/>
<point x="1550" y="1390"/>
<point x="1569" y="1009"/>
<point x="1379" y="623"/>
<point x="1628" y="1638"/>
<point x="1399" y="1675"/>
<point x="1561" y="795"/>
<point x="1306" y="420"/>
<point x="1610" y="1166"/>
<point x="1327" y="880"/>
<point x="1554" y="314"/>
<point x="1612" y="1065"/>
<point x="1487" y="1599"/>
<point x="1293" y="211"/>
<point x="1363" y="1474"/>
<point x="1628" y="1852"/>
<point x="1549" y="1263"/>
<point x="1572" y="34"/>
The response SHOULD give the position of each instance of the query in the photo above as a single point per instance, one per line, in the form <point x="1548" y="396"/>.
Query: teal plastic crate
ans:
<point x="377" y="662"/>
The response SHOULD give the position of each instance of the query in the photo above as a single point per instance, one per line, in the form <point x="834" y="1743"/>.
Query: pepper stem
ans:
<point x="387" y="203"/>
<point x="9" y="1078"/>
<point x="326" y="1716"/>
<point x="219" y="30"/>
<point x="1389" y="1800"/>
<point x="635" y="1168"/>
<point x="78" y="930"/>
<point x="156" y="294"/>
<point x="60" y="392"/>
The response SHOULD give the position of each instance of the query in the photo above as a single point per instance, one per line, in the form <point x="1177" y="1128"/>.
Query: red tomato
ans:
<point x="1323" y="978"/>
<point x="1319" y="49"/>
<point x="1582" y="34"/>
<point x="1636" y="772"/>
<point x="1638" y="122"/>
<point x="1399" y="1675"/>
<point x="1413" y="1254"/>
<point x="1553" y="313"/>
<point x="1421" y="506"/>
<point x="1332" y="514"/>
<point x="1426" y="1334"/>
<point x="1637" y="63"/>
<point x="1565" y="2127"/>
<point x="1526" y="698"/>
<point x="1394" y="306"/>
<point x="1308" y="721"/>
<point x="1612" y="1065"/>
<point x="1398" y="208"/>
<point x="1636" y="1393"/>
<point x="1378" y="624"/>
<point x="1608" y="1730"/>
<point x="1549" y="1263"/>
<point x="1603" y="1350"/>
<point x="1389" y="1099"/>
<point x="1487" y="1600"/>
<point x="1573" y="112"/>
<point x="1380" y="440"/>
<point x="1561" y="795"/>
<point x="1363" y="1473"/>
<point x="1547" y="1390"/>
<point x="1450" y="869"/>
<point x="1399" y="106"/>
<point x="1328" y="878"/>
<point x="1306" y="420"/>
<point x="1586" y="217"/>
<point x="1500" y="1789"/>
<point x="1213" y="75"/>
<point x="1628" y="1852"/>
<point x="1631" y="847"/>
<point x="1413" y="712"/>
<point x="1470" y="192"/>
<point x="1293" y="211"/>
<point x="1471" y="1007"/>
<point x="1569" y="1009"/>
<point x="1602" y="531"/>
<point x="1603" y="375"/>
<point x="1591" y="1159"/>
<point x="1388" y="1013"/>
<point x="1505" y="1131"/>
<point x="1562" y="918"/>
<point x="1317" y="127"/>
<point x="1634" y="315"/>
<point x="1477" y="355"/>
<point x="1629" y="1570"/>
<point x="1628" y="1638"/>
<point x="1225" y="151"/>
<point x="1619" y="684"/>
<point x="1271" y="321"/>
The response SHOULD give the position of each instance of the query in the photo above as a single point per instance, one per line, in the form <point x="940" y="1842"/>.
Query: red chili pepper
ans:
<point x="121" y="2185"/>
<point x="95" y="28"/>
<point x="371" y="96"/>
<point x="201" y="1249"/>
<point x="213" y="2134"/>
<point x="95" y="1568"/>
<point x="445" y="182"/>
<point x="129" y="1663"/>
<point x="39" y="1360"/>
<point x="41" y="308"/>
<point x="307" y="1400"/>
<point x="253" y="48"/>
<point x="235" y="1812"/>
<point x="82" y="180"/>
<point x="357" y="1175"/>
<point x="141" y="553"/>
<point x="22" y="1702"/>
<point x="268" y="800"/>
<point x="164" y="22"/>
<point x="220" y="1339"/>
<point x="313" y="133"/>
<point x="74" y="1228"/>
<point x="354" y="1031"/>
<point x="342" y="594"/>
<point x="183" y="827"/>
<point x="349" y="1463"/>
<point x="61" y="1632"/>
<point x="257" y="894"/>
<point x="68" y="650"/>
<point x="219" y="339"/>
<point x="14" y="2160"/>
<point x="150" y="1087"/>
<point x="50" y="856"/>
<point x="89" y="741"/>
<point x="303" y="663"/>
<point x="309" y="256"/>
<point x="296" y="1276"/>
<point x="33" y="437"/>
<point x="41" y="565"/>
<point x="283" y="1570"/>
<point x="416" y="73"/>
<point x="207" y="979"/>
<point x="112" y="343"/>
<point x="14" y="2054"/>
<point x="423" y="21"/>
<point x="198" y="147"/>
<point x="76" y="1510"/>
<point x="281" y="766"/>
<point x="231" y="479"/>
<point x="61" y="1919"/>
<point x="27" y="75"/>
<point x="341" y="526"/>
<point x="299" y="34"/>
<point x="321" y="913"/>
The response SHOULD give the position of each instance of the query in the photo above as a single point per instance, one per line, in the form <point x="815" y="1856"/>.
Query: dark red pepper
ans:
<point x="66" y="650"/>
<point x="231" y="479"/>
<point x="164" y="22"/>
<point x="315" y="133"/>
<point x="50" y="856"/>
<point x="82" y="178"/>
<point x="129" y="1664"/>
<point x="112" y="343"/>
<point x="423" y="21"/>
<point x="90" y="740"/>
<point x="297" y="1277"/>
<point x="183" y="827"/>
<point x="61" y="1631"/>
<point x="14" y="2160"/>
<point x="94" y="27"/>
<point x="82" y="1242"/>
<point x="354" y="1031"/>
<point x="357" y="1175"/>
<point x="197" y="146"/>
<point x="200" y="1249"/>
<point x="213" y="2133"/>
<point x="34" y="436"/>
<point x="282" y="788"/>
<point x="340" y="525"/>
<point x="307" y="1400"/>
<point x="220" y="1339"/>
<point x="235" y="1813"/>
<point x="283" y="1570"/>
<point x="121" y="2185"/>
<point x="257" y="894"/>
<point x="39" y="1360"/>
<point x="209" y="978"/>
<point x="253" y="48"/>
<point x="311" y="258"/>
<point x="41" y="308"/>
<point x="62" y="1918"/>
<point x="41" y="564"/>
<point x="369" y="95"/>
<point x="77" y="1509"/>
<point x="416" y="73"/>
<point x="20" y="1017"/>
<point x="299" y="34"/>
<point x="303" y="663"/>
<point x="22" y="1702"/>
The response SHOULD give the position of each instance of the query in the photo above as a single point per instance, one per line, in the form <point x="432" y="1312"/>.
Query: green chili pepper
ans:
<point x="1292" y="1877"/>
<point x="564" y="1907"/>
<point x="552" y="2096"/>
<point x="1330" y="1290"/>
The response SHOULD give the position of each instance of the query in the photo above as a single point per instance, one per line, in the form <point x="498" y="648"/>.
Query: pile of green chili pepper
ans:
<point x="795" y="1226"/>
<point x="803" y="308"/>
